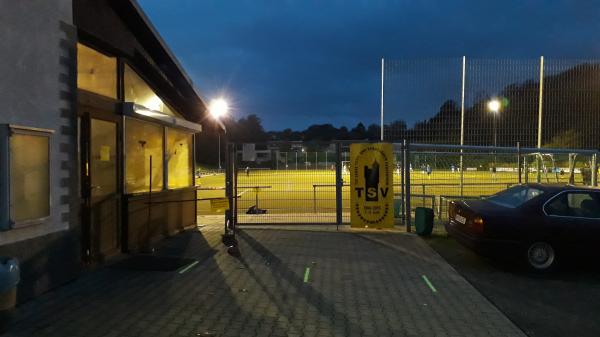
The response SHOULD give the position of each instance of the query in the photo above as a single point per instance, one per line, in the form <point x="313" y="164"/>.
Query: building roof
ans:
<point x="136" y="20"/>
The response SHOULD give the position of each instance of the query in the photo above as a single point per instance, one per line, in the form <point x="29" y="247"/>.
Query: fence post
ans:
<point x="571" y="169"/>
<point x="462" y="123"/>
<point x="229" y="189"/>
<point x="338" y="185"/>
<point x="540" y="104"/>
<point x="538" y="159"/>
<point x="594" y="170"/>
<point x="462" y="174"/>
<point x="439" y="210"/>
<point x="403" y="170"/>
<point x="526" y="167"/>
<point x="234" y="176"/>
<point x="407" y="183"/>
<point x="314" y="198"/>
<point x="519" y="161"/>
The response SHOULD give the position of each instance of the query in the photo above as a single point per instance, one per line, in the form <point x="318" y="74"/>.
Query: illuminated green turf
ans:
<point x="291" y="191"/>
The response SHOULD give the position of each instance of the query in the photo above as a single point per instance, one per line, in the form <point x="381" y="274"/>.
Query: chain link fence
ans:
<point x="285" y="187"/>
<point x="442" y="173"/>
<point x="544" y="102"/>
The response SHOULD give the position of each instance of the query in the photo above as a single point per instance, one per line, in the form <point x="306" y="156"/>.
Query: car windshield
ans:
<point x="515" y="196"/>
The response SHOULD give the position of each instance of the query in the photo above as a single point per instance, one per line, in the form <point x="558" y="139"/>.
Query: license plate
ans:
<point x="460" y="219"/>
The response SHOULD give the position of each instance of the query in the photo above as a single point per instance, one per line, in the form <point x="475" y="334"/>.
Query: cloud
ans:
<point x="300" y="62"/>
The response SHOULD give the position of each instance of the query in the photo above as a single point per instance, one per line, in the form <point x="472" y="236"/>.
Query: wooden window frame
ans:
<point x="7" y="131"/>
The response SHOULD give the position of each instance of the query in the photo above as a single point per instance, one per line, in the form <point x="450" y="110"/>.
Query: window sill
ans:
<point x="28" y="223"/>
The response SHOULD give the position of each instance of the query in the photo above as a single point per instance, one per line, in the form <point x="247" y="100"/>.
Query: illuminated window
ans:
<point x="96" y="72"/>
<point x="142" y="141"/>
<point x="179" y="158"/>
<point x="139" y="92"/>
<point x="29" y="172"/>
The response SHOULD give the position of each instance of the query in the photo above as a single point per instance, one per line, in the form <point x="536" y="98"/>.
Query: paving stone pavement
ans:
<point x="358" y="285"/>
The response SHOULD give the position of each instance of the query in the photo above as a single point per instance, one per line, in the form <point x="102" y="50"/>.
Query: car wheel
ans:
<point x="541" y="256"/>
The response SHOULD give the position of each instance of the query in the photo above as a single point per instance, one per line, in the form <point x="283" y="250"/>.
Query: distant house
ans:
<point x="256" y="154"/>
<point x="97" y="115"/>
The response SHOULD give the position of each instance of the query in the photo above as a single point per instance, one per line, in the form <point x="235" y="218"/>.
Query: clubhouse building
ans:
<point x="97" y="134"/>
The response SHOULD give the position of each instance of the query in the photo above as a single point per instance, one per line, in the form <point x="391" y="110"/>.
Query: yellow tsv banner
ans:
<point x="371" y="185"/>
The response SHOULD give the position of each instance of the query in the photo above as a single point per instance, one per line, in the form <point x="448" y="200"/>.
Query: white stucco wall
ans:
<point x="37" y="90"/>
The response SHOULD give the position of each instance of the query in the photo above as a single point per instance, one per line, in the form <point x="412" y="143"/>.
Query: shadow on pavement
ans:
<point x="281" y="274"/>
<point x="108" y="301"/>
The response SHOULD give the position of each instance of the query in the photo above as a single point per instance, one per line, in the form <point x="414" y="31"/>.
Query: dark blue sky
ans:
<point x="301" y="62"/>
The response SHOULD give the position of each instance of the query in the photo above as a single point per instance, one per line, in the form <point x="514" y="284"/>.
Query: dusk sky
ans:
<point x="295" y="63"/>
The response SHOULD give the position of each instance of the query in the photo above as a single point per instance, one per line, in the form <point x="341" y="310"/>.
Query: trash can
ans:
<point x="9" y="278"/>
<point x="397" y="208"/>
<point x="423" y="221"/>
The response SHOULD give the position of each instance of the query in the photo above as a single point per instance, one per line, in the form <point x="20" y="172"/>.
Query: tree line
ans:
<point x="571" y="119"/>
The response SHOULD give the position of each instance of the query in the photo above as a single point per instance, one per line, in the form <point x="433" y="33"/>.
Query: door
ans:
<point x="585" y="208"/>
<point x="560" y="225"/>
<point x="101" y="183"/>
<point x="577" y="214"/>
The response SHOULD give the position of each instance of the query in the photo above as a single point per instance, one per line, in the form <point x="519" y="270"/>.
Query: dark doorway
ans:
<point x="101" y="159"/>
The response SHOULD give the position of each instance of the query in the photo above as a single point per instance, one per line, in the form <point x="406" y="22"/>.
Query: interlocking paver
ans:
<point x="359" y="285"/>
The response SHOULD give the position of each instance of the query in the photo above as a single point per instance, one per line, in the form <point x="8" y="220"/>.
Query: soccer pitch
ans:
<point x="311" y="193"/>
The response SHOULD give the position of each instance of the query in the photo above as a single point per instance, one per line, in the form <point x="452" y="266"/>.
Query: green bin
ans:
<point x="397" y="208"/>
<point x="423" y="221"/>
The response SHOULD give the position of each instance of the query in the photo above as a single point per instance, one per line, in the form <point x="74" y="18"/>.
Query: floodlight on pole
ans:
<point x="218" y="108"/>
<point x="494" y="105"/>
<point x="305" y="159"/>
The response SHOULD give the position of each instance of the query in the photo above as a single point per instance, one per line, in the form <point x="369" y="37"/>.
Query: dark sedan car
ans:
<point x="538" y="223"/>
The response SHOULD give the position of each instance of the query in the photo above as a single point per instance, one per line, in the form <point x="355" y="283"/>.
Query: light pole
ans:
<point x="494" y="106"/>
<point x="296" y="160"/>
<point x="305" y="159"/>
<point x="218" y="108"/>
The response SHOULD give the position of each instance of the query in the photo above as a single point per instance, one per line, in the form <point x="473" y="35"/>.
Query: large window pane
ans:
<point x="29" y="177"/>
<point x="179" y="157"/>
<point x="139" y="92"/>
<point x="103" y="161"/>
<point x="575" y="204"/>
<point x="96" y="72"/>
<point x="142" y="140"/>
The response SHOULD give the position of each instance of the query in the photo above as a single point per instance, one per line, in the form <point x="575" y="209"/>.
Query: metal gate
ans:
<point x="291" y="183"/>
